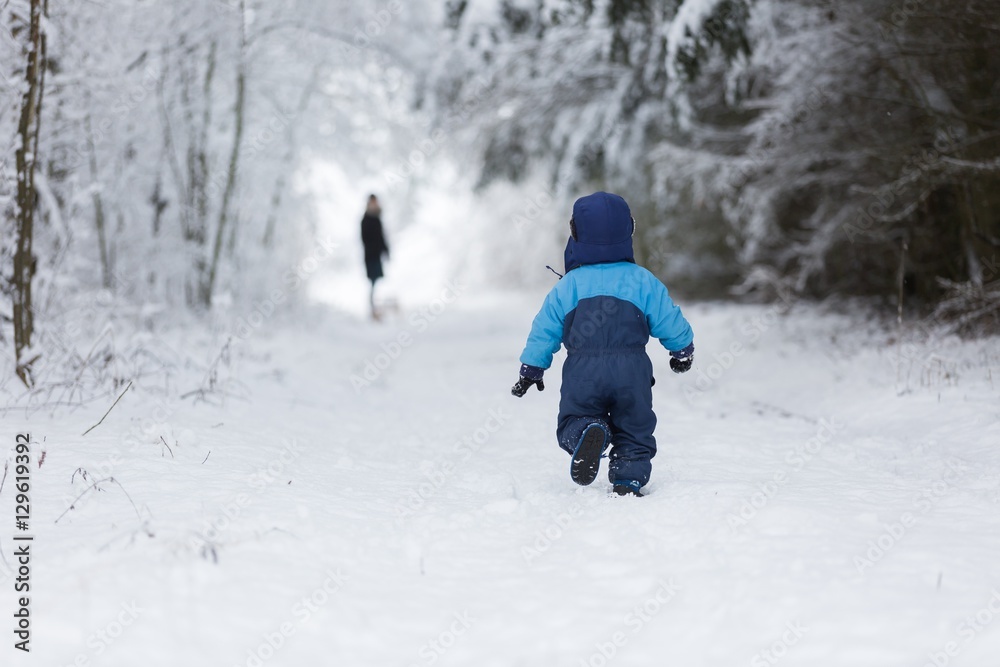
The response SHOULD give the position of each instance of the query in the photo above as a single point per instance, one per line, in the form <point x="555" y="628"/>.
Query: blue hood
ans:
<point x="604" y="229"/>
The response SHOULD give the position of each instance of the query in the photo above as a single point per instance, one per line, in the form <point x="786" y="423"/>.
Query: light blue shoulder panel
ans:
<point x="622" y="280"/>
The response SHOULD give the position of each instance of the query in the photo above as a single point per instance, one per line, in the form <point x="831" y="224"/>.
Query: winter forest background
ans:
<point x="231" y="464"/>
<point x="159" y="156"/>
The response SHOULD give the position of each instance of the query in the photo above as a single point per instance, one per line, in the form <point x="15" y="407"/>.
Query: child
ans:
<point x="604" y="310"/>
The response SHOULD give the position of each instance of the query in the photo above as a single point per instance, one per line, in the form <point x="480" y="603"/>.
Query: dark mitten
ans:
<point x="681" y="365"/>
<point x="530" y="375"/>
<point x="680" y="361"/>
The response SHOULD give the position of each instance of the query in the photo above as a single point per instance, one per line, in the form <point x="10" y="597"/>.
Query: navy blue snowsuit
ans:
<point x="604" y="311"/>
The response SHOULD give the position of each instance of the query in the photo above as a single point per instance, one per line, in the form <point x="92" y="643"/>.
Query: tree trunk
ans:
<point x="26" y="159"/>
<point x="289" y="160"/>
<point x="208" y="284"/>
<point x="201" y="187"/>
<point x="99" y="219"/>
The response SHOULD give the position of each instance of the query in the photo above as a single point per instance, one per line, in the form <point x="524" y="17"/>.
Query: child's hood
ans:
<point x="602" y="227"/>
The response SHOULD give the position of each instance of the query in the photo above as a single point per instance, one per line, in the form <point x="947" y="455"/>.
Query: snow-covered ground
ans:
<point x="822" y="496"/>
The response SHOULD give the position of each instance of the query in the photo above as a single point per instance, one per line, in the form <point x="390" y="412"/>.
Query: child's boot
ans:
<point x="586" y="460"/>
<point x="627" y="487"/>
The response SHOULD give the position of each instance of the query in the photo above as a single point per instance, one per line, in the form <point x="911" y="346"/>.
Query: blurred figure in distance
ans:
<point x="373" y="239"/>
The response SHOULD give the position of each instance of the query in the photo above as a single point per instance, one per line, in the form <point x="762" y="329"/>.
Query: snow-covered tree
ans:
<point x="586" y="93"/>
<point x="833" y="148"/>
<point x="161" y="168"/>
<point x="25" y="46"/>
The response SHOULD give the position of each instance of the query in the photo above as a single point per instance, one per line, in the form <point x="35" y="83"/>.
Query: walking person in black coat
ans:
<point x="375" y="246"/>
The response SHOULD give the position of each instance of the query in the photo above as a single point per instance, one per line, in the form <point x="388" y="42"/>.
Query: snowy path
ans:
<point x="428" y="518"/>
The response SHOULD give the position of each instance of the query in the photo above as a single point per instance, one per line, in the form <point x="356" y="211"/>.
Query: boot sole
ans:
<point x="586" y="461"/>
